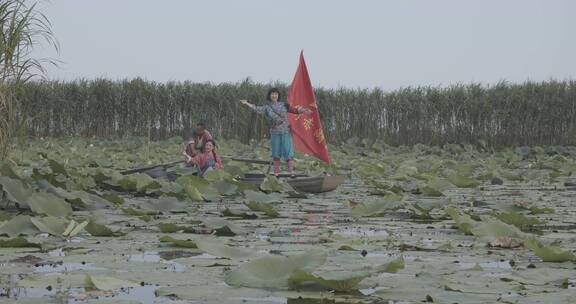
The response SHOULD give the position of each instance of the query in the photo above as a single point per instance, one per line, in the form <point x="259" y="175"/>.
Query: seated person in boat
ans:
<point x="207" y="160"/>
<point x="199" y="136"/>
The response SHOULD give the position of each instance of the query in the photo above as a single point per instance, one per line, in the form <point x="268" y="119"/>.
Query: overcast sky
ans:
<point x="387" y="44"/>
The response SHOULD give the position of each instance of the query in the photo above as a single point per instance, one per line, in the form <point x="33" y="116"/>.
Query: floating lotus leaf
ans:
<point x="87" y="200"/>
<point x="193" y="193"/>
<point x="101" y="230"/>
<point x="549" y="253"/>
<point x="15" y="190"/>
<point x="165" y="204"/>
<point x="274" y="271"/>
<point x="18" y="242"/>
<point x="223" y="227"/>
<point x="216" y="247"/>
<point x="463" y="181"/>
<point x="336" y="280"/>
<point x="518" y="219"/>
<point x="271" y="184"/>
<point x="18" y="225"/>
<point x="177" y="242"/>
<point x="494" y="228"/>
<point x="110" y="283"/>
<point x="267" y="208"/>
<point x="392" y="266"/>
<point x="225" y="188"/>
<point x="464" y="222"/>
<point x="217" y="175"/>
<point x="49" y="224"/>
<point x="256" y="196"/>
<point x="49" y="204"/>
<point x="170" y="227"/>
<point x="57" y="168"/>
<point x="429" y="191"/>
<point x="134" y="212"/>
<point x="236" y="213"/>
<point x="8" y="170"/>
<point x="377" y="207"/>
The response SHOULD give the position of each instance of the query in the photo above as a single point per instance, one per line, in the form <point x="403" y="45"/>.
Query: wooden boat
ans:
<point x="302" y="183"/>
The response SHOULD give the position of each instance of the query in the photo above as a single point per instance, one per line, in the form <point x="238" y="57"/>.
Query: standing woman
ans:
<point x="276" y="112"/>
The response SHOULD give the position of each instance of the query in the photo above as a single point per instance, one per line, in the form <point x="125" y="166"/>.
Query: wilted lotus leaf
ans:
<point x="18" y="242"/>
<point x="216" y="247"/>
<point x="549" y="253"/>
<point x="74" y="228"/>
<point x="49" y="204"/>
<point x="49" y="224"/>
<point x="274" y="271"/>
<point x="377" y="207"/>
<point x="15" y="190"/>
<point x="177" y="242"/>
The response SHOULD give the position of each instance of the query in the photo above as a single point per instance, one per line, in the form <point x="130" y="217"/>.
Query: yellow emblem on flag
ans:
<point x="319" y="135"/>
<point x="308" y="123"/>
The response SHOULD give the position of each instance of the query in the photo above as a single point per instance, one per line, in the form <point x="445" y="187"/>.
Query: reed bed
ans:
<point x="532" y="113"/>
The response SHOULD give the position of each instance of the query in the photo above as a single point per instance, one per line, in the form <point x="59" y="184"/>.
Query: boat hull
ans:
<point x="302" y="183"/>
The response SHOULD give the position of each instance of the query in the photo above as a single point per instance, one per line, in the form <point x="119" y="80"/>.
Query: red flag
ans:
<point x="307" y="133"/>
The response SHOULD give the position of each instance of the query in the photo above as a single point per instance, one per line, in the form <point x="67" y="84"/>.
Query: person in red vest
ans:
<point x="199" y="137"/>
<point x="276" y="112"/>
<point x="207" y="160"/>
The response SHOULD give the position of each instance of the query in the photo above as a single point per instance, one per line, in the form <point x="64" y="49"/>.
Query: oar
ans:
<point x="170" y="164"/>
<point x="138" y="170"/>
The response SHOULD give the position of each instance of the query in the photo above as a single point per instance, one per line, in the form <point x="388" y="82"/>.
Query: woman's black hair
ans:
<point x="272" y="90"/>
<point x="207" y="141"/>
